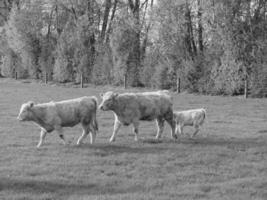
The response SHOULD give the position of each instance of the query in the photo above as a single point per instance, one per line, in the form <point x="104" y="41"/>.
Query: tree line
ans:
<point x="211" y="47"/>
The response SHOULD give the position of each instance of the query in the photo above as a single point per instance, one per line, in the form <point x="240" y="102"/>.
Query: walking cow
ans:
<point x="130" y="108"/>
<point x="193" y="118"/>
<point x="56" y="115"/>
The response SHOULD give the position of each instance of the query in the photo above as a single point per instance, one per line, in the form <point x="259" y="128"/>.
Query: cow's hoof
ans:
<point x="157" y="137"/>
<point x="175" y="137"/>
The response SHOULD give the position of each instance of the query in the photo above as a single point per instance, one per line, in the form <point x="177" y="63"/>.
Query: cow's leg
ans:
<point x="196" y="130"/>
<point x="84" y="134"/>
<point x="181" y="129"/>
<point x="42" y="137"/>
<point x="92" y="135"/>
<point x="172" y="124"/>
<point x="136" y="125"/>
<point x="117" y="126"/>
<point x="160" y="126"/>
<point x="177" y="129"/>
<point x="61" y="134"/>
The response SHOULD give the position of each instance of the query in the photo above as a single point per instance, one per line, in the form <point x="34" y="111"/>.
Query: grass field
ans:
<point x="227" y="159"/>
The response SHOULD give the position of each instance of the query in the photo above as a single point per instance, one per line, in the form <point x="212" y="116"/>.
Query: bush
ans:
<point x="195" y="74"/>
<point x="162" y="77"/>
<point x="63" y="70"/>
<point x="102" y="69"/>
<point x="228" y="77"/>
<point x="12" y="65"/>
<point x="258" y="81"/>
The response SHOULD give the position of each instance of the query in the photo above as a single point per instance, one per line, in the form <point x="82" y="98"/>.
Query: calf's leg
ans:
<point x="160" y="125"/>
<point x="136" y="124"/>
<point x="92" y="135"/>
<point x="42" y="137"/>
<point x="61" y="134"/>
<point x="196" y="130"/>
<point x="172" y="124"/>
<point x="84" y="134"/>
<point x="117" y="126"/>
<point x="179" y="129"/>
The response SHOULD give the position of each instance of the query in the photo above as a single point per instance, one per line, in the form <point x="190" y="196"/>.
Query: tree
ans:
<point x="208" y="46"/>
<point x="5" y="9"/>
<point x="105" y="20"/>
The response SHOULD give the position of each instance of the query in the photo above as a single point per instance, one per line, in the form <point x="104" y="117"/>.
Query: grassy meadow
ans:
<point x="226" y="160"/>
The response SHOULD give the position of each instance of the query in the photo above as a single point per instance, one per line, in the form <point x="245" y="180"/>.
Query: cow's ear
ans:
<point x="31" y="104"/>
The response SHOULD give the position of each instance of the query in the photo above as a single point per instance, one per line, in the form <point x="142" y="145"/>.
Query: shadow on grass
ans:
<point x="113" y="149"/>
<point x="153" y="146"/>
<point x="31" y="186"/>
<point x="229" y="142"/>
<point x="262" y="131"/>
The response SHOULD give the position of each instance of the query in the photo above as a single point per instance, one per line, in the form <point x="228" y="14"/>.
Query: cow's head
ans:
<point x="108" y="100"/>
<point x="25" y="113"/>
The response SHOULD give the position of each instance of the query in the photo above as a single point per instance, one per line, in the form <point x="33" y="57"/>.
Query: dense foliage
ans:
<point x="216" y="47"/>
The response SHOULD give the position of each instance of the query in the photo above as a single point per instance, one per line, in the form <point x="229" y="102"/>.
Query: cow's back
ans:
<point x="73" y="111"/>
<point x="161" y="101"/>
<point x="145" y="106"/>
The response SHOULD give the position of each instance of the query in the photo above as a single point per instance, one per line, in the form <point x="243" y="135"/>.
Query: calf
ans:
<point x="55" y="115"/>
<point x="193" y="118"/>
<point x="130" y="108"/>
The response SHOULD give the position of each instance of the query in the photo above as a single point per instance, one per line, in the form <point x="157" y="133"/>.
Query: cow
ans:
<point x="193" y="118"/>
<point x="130" y="108"/>
<point x="56" y="115"/>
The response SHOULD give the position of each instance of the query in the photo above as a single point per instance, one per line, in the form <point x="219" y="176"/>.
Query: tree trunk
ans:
<point x="46" y="50"/>
<point x="105" y="19"/>
<point x="91" y="37"/>
<point x="178" y="84"/>
<point x="57" y="23"/>
<point x="110" y="21"/>
<point x="134" y="57"/>
<point x="81" y="80"/>
<point x="200" y="27"/>
<point x="190" y="35"/>
<point x="134" y="60"/>
<point x="125" y="80"/>
<point x="145" y="40"/>
<point x="45" y="77"/>
<point x="144" y="46"/>
<point x="246" y="88"/>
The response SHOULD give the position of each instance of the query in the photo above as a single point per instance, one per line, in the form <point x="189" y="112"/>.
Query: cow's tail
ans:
<point x="95" y="123"/>
<point x="204" y="115"/>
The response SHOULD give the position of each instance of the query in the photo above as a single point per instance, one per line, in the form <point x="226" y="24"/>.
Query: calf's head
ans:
<point x="25" y="113"/>
<point x="108" y="101"/>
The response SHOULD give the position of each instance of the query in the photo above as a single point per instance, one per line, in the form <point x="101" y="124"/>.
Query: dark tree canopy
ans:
<point x="216" y="47"/>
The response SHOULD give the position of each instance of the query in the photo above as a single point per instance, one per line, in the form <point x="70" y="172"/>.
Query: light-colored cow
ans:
<point x="55" y="115"/>
<point x="193" y="118"/>
<point x="130" y="108"/>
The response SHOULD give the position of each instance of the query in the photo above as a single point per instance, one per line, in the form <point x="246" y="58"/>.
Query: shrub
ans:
<point x="63" y="71"/>
<point x="162" y="77"/>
